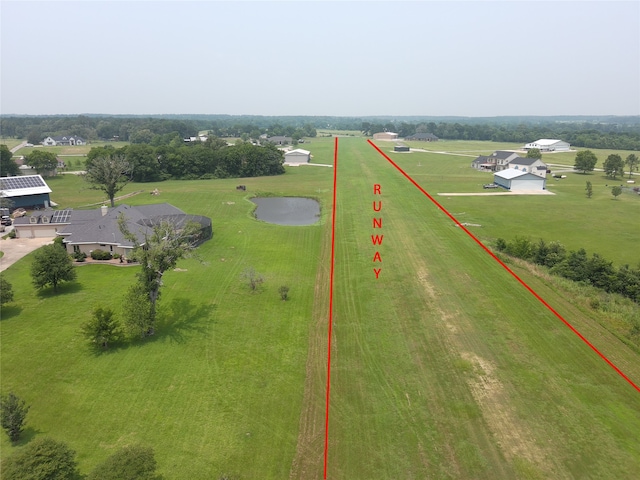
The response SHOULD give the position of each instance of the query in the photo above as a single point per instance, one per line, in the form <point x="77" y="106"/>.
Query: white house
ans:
<point x="529" y="165"/>
<point x="297" y="156"/>
<point x="63" y="140"/>
<point x="548" y="145"/>
<point x="513" y="179"/>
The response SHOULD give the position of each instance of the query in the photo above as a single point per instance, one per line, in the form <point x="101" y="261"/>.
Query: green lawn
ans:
<point x="10" y="142"/>
<point x="445" y="367"/>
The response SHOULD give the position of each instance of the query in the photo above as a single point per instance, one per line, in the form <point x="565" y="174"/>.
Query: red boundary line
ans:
<point x="333" y="244"/>
<point x="506" y="267"/>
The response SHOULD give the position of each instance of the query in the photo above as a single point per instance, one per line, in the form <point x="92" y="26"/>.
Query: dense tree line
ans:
<point x="145" y="129"/>
<point x="210" y="159"/>
<point x="577" y="265"/>
<point x="608" y="136"/>
<point x="621" y="133"/>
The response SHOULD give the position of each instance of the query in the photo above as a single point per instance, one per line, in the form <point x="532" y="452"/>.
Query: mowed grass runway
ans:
<point x="444" y="367"/>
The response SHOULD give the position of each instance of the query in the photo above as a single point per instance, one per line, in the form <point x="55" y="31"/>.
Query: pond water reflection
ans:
<point x="287" y="210"/>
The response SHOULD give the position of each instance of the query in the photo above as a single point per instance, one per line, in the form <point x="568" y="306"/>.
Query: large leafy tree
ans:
<point x="585" y="161"/>
<point x="134" y="462"/>
<point x="614" y="166"/>
<point x="108" y="173"/>
<point x="157" y="253"/>
<point x="632" y="161"/>
<point x="8" y="166"/>
<point x="13" y="411"/>
<point x="534" y="153"/>
<point x="52" y="266"/>
<point x="42" y="459"/>
<point x="43" y="161"/>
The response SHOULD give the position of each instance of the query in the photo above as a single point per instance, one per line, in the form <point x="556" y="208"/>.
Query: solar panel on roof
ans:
<point x="16" y="183"/>
<point x="61" y="216"/>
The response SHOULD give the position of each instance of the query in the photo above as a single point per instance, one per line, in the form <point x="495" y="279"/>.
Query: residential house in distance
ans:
<point x="385" y="136"/>
<point x="548" y="145"/>
<point x="87" y="230"/>
<point x="498" y="160"/>
<point x="280" y="140"/>
<point x="423" y="137"/>
<point x="63" y="141"/>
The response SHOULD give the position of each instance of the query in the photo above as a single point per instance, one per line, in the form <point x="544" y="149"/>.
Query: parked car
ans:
<point x="490" y="185"/>
<point x="6" y="220"/>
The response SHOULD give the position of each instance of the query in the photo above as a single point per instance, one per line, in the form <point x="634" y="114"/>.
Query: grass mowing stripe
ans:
<point x="611" y="364"/>
<point x="333" y="243"/>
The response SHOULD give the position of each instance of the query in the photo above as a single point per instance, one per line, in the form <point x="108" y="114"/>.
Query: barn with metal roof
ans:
<point x="26" y="191"/>
<point x="513" y="179"/>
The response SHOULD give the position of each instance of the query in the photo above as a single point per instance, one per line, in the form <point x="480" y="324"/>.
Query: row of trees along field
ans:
<point x="150" y="130"/>
<point x="621" y="133"/>
<point x="576" y="265"/>
<point x="210" y="159"/>
<point x="613" y="165"/>
<point x="577" y="134"/>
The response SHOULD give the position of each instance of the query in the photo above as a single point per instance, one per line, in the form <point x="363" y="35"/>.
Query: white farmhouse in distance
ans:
<point x="548" y="145"/>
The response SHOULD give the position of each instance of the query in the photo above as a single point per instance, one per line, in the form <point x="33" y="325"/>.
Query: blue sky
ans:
<point x="359" y="58"/>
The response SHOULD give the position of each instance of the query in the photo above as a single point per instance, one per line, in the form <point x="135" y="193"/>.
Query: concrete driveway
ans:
<point x="16" y="248"/>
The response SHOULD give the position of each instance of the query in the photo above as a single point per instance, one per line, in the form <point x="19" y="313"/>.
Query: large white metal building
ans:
<point x="548" y="145"/>
<point x="513" y="179"/>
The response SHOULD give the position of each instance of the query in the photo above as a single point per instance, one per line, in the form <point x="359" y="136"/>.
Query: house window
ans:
<point x="111" y="248"/>
<point x="76" y="249"/>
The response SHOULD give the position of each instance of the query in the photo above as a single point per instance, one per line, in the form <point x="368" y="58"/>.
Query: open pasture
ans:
<point x="445" y="367"/>
<point x="75" y="150"/>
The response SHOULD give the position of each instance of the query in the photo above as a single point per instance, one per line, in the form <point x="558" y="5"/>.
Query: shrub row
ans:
<point x="576" y="265"/>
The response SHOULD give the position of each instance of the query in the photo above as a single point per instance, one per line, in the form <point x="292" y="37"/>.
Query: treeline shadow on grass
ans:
<point x="63" y="289"/>
<point x="182" y="318"/>
<point x="176" y="321"/>
<point x="10" y="311"/>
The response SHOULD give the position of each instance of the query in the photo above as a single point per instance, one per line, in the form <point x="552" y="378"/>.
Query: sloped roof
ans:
<point x="480" y="159"/>
<point x="297" y="151"/>
<point x="419" y="136"/>
<point x="523" y="161"/>
<point x="90" y="226"/>
<point x="502" y="154"/>
<point x="511" y="173"/>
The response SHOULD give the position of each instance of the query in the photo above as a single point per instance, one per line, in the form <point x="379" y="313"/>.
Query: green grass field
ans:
<point x="445" y="367"/>
<point x="75" y="150"/>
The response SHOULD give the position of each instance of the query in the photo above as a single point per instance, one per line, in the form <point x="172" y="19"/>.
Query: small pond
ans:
<point x="287" y="210"/>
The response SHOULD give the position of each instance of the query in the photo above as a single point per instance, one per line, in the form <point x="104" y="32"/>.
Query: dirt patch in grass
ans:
<point x="501" y="418"/>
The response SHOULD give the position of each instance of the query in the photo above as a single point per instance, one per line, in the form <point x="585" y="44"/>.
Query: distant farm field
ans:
<point x="444" y="367"/>
<point x="74" y="150"/>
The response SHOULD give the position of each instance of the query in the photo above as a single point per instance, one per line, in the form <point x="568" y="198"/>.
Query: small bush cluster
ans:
<point x="79" y="256"/>
<point x="100" y="255"/>
<point x="576" y="265"/>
